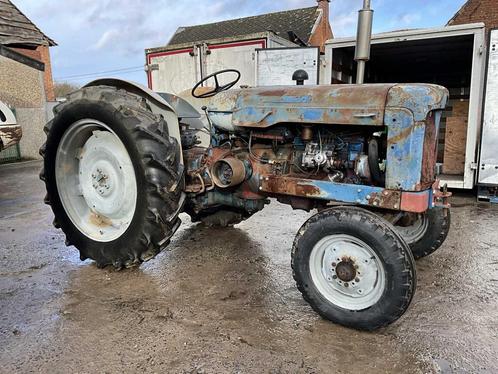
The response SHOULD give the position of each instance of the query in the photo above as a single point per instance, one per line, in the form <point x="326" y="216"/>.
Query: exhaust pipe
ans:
<point x="363" y="40"/>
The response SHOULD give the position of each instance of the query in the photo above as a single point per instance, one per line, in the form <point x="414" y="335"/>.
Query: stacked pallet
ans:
<point x="455" y="138"/>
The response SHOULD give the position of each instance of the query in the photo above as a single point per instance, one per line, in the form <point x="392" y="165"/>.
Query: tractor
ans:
<point x="121" y="162"/>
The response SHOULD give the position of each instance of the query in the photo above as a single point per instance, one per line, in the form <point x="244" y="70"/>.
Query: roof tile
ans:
<point x="16" y="28"/>
<point x="298" y="21"/>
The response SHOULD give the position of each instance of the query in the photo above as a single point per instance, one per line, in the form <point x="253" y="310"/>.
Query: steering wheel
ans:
<point x="217" y="89"/>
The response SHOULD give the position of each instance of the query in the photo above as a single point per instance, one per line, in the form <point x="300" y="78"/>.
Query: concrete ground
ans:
<point x="223" y="301"/>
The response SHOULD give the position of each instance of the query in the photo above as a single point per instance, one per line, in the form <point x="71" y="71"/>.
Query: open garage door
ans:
<point x="488" y="168"/>
<point x="275" y="66"/>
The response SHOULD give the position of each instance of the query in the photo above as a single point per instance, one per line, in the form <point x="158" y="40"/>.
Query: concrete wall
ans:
<point x="21" y="87"/>
<point x="42" y="54"/>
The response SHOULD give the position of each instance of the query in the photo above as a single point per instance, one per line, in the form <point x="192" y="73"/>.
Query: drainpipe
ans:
<point x="363" y="40"/>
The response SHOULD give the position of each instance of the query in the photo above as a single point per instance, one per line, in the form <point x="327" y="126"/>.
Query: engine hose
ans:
<point x="373" y="162"/>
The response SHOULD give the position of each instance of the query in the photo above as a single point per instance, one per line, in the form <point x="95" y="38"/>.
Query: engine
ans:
<point x="341" y="156"/>
<point x="314" y="152"/>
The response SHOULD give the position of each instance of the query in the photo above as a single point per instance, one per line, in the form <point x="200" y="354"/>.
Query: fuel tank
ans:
<point x="238" y="110"/>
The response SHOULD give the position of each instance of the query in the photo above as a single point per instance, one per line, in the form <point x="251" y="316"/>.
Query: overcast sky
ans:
<point x="101" y="35"/>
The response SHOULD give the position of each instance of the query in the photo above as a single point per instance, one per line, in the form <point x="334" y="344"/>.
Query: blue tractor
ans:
<point x="122" y="162"/>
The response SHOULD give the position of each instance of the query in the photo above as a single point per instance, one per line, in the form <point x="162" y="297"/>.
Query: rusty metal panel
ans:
<point x="419" y="98"/>
<point x="349" y="193"/>
<point x="405" y="144"/>
<point x="334" y="104"/>
<point x="411" y="125"/>
<point x="325" y="190"/>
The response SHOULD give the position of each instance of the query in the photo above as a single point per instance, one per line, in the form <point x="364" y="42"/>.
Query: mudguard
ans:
<point x="157" y="103"/>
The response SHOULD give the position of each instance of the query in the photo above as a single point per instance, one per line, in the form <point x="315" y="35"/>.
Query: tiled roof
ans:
<point x="299" y="22"/>
<point x="16" y="28"/>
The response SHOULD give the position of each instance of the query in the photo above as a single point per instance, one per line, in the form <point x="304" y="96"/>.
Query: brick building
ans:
<point x="474" y="11"/>
<point x="26" y="83"/>
<point x="18" y="33"/>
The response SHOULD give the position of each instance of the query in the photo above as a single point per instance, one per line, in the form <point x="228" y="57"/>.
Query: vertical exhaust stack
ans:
<point x="363" y="40"/>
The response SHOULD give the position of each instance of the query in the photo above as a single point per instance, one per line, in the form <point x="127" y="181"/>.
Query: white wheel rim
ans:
<point x="96" y="180"/>
<point x="332" y="261"/>
<point x="416" y="231"/>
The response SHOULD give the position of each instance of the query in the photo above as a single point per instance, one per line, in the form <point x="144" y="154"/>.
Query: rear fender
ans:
<point x="157" y="104"/>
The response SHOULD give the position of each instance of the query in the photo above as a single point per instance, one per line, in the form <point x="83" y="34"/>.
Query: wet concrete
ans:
<point x="223" y="301"/>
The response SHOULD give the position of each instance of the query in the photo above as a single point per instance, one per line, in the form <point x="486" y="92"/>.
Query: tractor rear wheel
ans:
<point x="424" y="233"/>
<point x="353" y="268"/>
<point x="113" y="176"/>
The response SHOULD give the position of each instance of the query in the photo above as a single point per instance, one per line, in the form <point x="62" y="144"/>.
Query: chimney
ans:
<point x="324" y="6"/>
<point x="322" y="32"/>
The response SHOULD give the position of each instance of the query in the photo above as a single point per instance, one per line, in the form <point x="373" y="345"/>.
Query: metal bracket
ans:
<point x="151" y="67"/>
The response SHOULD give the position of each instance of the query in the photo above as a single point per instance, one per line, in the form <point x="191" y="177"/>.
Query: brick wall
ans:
<point x="42" y="54"/>
<point x="478" y="11"/>
<point x="323" y="31"/>
<point x="47" y="77"/>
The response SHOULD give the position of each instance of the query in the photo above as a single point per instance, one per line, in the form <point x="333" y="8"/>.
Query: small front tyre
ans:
<point x="353" y="268"/>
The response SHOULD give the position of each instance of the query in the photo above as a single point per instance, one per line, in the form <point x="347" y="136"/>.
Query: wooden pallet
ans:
<point x="455" y="145"/>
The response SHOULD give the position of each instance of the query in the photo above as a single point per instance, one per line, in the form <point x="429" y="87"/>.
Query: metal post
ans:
<point x="363" y="40"/>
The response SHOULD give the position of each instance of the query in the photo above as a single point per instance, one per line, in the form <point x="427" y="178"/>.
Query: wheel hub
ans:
<point x="101" y="182"/>
<point x="96" y="180"/>
<point x="346" y="270"/>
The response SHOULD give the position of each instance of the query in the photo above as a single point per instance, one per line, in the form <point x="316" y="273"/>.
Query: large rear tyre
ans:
<point x="353" y="268"/>
<point x="113" y="176"/>
<point x="424" y="233"/>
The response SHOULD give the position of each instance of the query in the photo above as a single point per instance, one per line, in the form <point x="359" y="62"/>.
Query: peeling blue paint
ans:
<point x="296" y="99"/>
<point x="312" y="114"/>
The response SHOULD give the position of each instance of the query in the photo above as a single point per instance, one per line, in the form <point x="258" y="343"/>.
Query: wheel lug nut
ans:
<point x="357" y="280"/>
<point x="346" y="284"/>
<point x="334" y="264"/>
<point x="334" y="276"/>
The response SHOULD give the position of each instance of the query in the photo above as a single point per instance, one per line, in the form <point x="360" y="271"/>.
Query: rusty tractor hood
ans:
<point x="328" y="104"/>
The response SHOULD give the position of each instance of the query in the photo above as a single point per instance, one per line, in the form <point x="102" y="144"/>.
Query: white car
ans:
<point x="10" y="131"/>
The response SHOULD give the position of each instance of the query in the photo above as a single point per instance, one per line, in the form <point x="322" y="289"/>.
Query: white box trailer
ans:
<point x="275" y="66"/>
<point x="488" y="158"/>
<point x="453" y="56"/>
<point x="177" y="68"/>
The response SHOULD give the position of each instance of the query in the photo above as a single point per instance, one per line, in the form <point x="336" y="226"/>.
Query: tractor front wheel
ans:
<point x="353" y="268"/>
